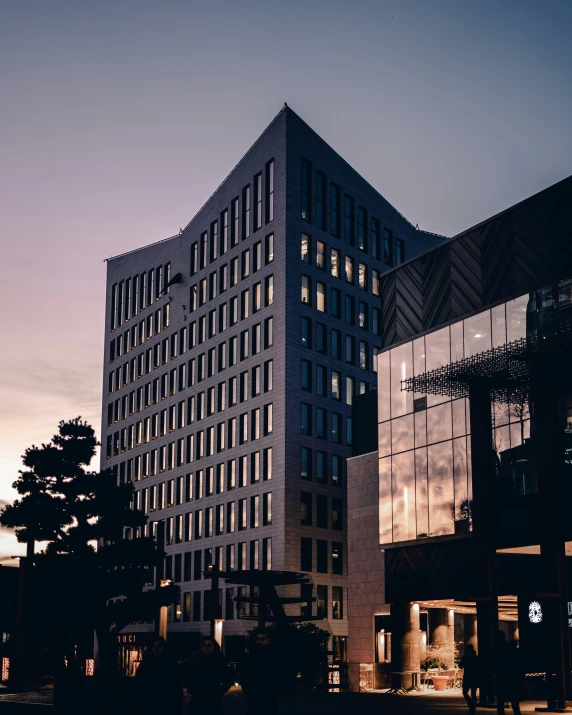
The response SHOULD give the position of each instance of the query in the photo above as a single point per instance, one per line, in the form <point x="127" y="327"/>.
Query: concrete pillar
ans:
<point x="406" y="639"/>
<point x="442" y="633"/>
<point x="470" y="629"/>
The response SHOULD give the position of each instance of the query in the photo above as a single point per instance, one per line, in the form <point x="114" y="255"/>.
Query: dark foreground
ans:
<point x="318" y="704"/>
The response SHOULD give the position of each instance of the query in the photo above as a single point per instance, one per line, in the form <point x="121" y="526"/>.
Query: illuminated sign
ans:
<point x="127" y="638"/>
<point x="5" y="669"/>
<point x="535" y="612"/>
<point x="90" y="667"/>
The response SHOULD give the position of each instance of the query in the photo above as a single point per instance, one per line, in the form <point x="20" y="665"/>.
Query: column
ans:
<point x="442" y="634"/>
<point x="470" y="630"/>
<point x="406" y="639"/>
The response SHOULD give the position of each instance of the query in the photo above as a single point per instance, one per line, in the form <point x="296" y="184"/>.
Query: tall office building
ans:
<point x="232" y="353"/>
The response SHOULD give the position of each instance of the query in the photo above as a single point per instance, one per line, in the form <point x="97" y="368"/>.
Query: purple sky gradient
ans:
<point x="119" y="118"/>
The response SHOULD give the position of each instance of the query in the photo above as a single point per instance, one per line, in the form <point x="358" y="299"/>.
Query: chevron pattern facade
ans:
<point x="526" y="246"/>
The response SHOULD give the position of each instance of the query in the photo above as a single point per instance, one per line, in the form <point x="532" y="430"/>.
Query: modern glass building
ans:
<point x="458" y="521"/>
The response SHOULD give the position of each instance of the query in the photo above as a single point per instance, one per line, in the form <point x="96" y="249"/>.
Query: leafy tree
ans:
<point x="89" y="577"/>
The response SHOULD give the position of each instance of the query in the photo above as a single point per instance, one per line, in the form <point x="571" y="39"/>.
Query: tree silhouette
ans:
<point x="89" y="576"/>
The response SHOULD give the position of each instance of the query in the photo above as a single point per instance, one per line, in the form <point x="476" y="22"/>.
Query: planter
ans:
<point x="440" y="682"/>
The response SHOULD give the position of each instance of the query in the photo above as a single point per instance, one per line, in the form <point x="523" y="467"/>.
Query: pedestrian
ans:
<point x="209" y="678"/>
<point x="471" y="676"/>
<point x="261" y="675"/>
<point x="508" y="674"/>
<point x="158" y="681"/>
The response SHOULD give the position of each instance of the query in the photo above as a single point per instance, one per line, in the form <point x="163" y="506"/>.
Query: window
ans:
<point x="321" y="296"/>
<point x="321" y="380"/>
<point x="349" y="219"/>
<point x="375" y="281"/>
<point x="269" y="253"/>
<point x="306" y="508"/>
<point x="268" y="335"/>
<point x="268" y="290"/>
<point x="335" y="262"/>
<point x="336" y="428"/>
<point x="305" y="252"/>
<point x="268" y="425"/>
<point x="305" y="554"/>
<point x="320" y="200"/>
<point x="267" y="509"/>
<point x="306" y="332"/>
<point x="245" y="271"/>
<point x="306" y="190"/>
<point x="322" y="607"/>
<point x="349" y="269"/>
<point x="321" y="255"/>
<point x="337" y="603"/>
<point x="336" y="307"/>
<point x="322" y="511"/>
<point x="321" y="423"/>
<point x="362" y="276"/>
<point x="350" y="389"/>
<point x="268" y="375"/>
<point x="399" y="251"/>
<point x="254" y="511"/>
<point x="336" y="385"/>
<point x="267" y="464"/>
<point x="321" y="468"/>
<point x="224" y="232"/>
<point x="336" y="344"/>
<point x="337" y="515"/>
<point x="375" y="321"/>
<point x="349" y="309"/>
<point x="362" y="228"/>
<point x="374" y="235"/>
<point x="245" y="212"/>
<point x="234" y="222"/>
<point x="234" y="271"/>
<point x="337" y="558"/>
<point x="334" y="210"/>
<point x="214" y="241"/>
<point x="306" y="425"/>
<point x="362" y="315"/>
<point x="363" y="355"/>
<point x="321" y="556"/>
<point x="307" y="375"/>
<point x="350" y="349"/>
<point x="257" y="256"/>
<point x="306" y="289"/>
<point x="337" y="463"/>
<point x="387" y="247"/>
<point x="306" y="463"/>
<point x="321" y="339"/>
<point x="270" y="191"/>
<point x="257" y="202"/>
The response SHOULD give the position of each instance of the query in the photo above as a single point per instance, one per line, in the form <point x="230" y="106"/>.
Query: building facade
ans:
<point x="471" y="470"/>
<point x="232" y="354"/>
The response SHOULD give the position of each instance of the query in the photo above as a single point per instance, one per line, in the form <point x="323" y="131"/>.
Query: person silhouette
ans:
<point x="508" y="674"/>
<point x="209" y="678"/>
<point x="471" y="676"/>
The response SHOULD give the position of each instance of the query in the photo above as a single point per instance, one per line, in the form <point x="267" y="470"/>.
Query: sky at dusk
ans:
<point x="119" y="118"/>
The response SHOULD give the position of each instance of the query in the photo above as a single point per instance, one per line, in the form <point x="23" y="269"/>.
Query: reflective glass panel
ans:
<point x="385" y="520"/>
<point x="402" y="434"/>
<point x="401" y="369"/>
<point x="477" y="333"/>
<point x="439" y="423"/>
<point x="498" y="322"/>
<point x="421" y="428"/>
<point x="403" y="490"/>
<point x="440" y="488"/>
<point x="516" y="318"/>
<point x="384" y="439"/>
<point x="422" y="505"/>
<point x="383" y="386"/>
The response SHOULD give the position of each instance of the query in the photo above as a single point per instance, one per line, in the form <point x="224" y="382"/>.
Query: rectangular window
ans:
<point x="336" y="385"/>
<point x="306" y="508"/>
<point x="269" y="190"/>
<point x="349" y="431"/>
<point x="306" y="287"/>
<point x="349" y="309"/>
<point x="257" y="202"/>
<point x="349" y="269"/>
<point x="306" y="332"/>
<point x="214" y="240"/>
<point x="335" y="307"/>
<point x="268" y="291"/>
<point x="335" y="262"/>
<point x="321" y="556"/>
<point x="337" y="463"/>
<point x="387" y="247"/>
<point x="363" y="355"/>
<point x="321" y="296"/>
<point x="305" y="246"/>
<point x="306" y="190"/>
<point x="305" y="554"/>
<point x="334" y="210"/>
<point x="362" y="228"/>
<point x="245" y="272"/>
<point x="267" y="464"/>
<point x="350" y="389"/>
<point x="337" y="514"/>
<point x="336" y="428"/>
<point x="268" y="377"/>
<point x="374" y="236"/>
<point x="321" y="380"/>
<point x="337" y="558"/>
<point x="254" y="511"/>
<point x="245" y="212"/>
<point x="224" y="232"/>
<point x="306" y="383"/>
<point x="349" y="220"/>
<point x="362" y="315"/>
<point x="321" y="255"/>
<point x="234" y="222"/>
<point x="321" y="339"/>
<point x="321" y="467"/>
<point x="306" y="424"/>
<point x="269" y="251"/>
<point x="306" y="463"/>
<point x="337" y="603"/>
<point x="399" y="251"/>
<point x="336" y="344"/>
<point x="322" y="511"/>
<point x="375" y="276"/>
<point x="321" y="423"/>
<point x="362" y="276"/>
<point x="320" y="200"/>
<point x="268" y="334"/>
<point x="375" y="321"/>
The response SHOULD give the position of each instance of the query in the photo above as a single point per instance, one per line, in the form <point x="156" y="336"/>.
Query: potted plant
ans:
<point x="437" y="656"/>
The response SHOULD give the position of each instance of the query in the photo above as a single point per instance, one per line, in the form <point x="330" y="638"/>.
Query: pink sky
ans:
<point x="119" y="119"/>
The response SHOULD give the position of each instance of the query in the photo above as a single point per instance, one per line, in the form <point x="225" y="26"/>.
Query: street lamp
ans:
<point x="163" y="611"/>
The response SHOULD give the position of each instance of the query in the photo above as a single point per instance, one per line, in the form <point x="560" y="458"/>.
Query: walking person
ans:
<point x="508" y="674"/>
<point x="261" y="675"/>
<point x="209" y="678"/>
<point x="471" y="676"/>
<point x="158" y="681"/>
